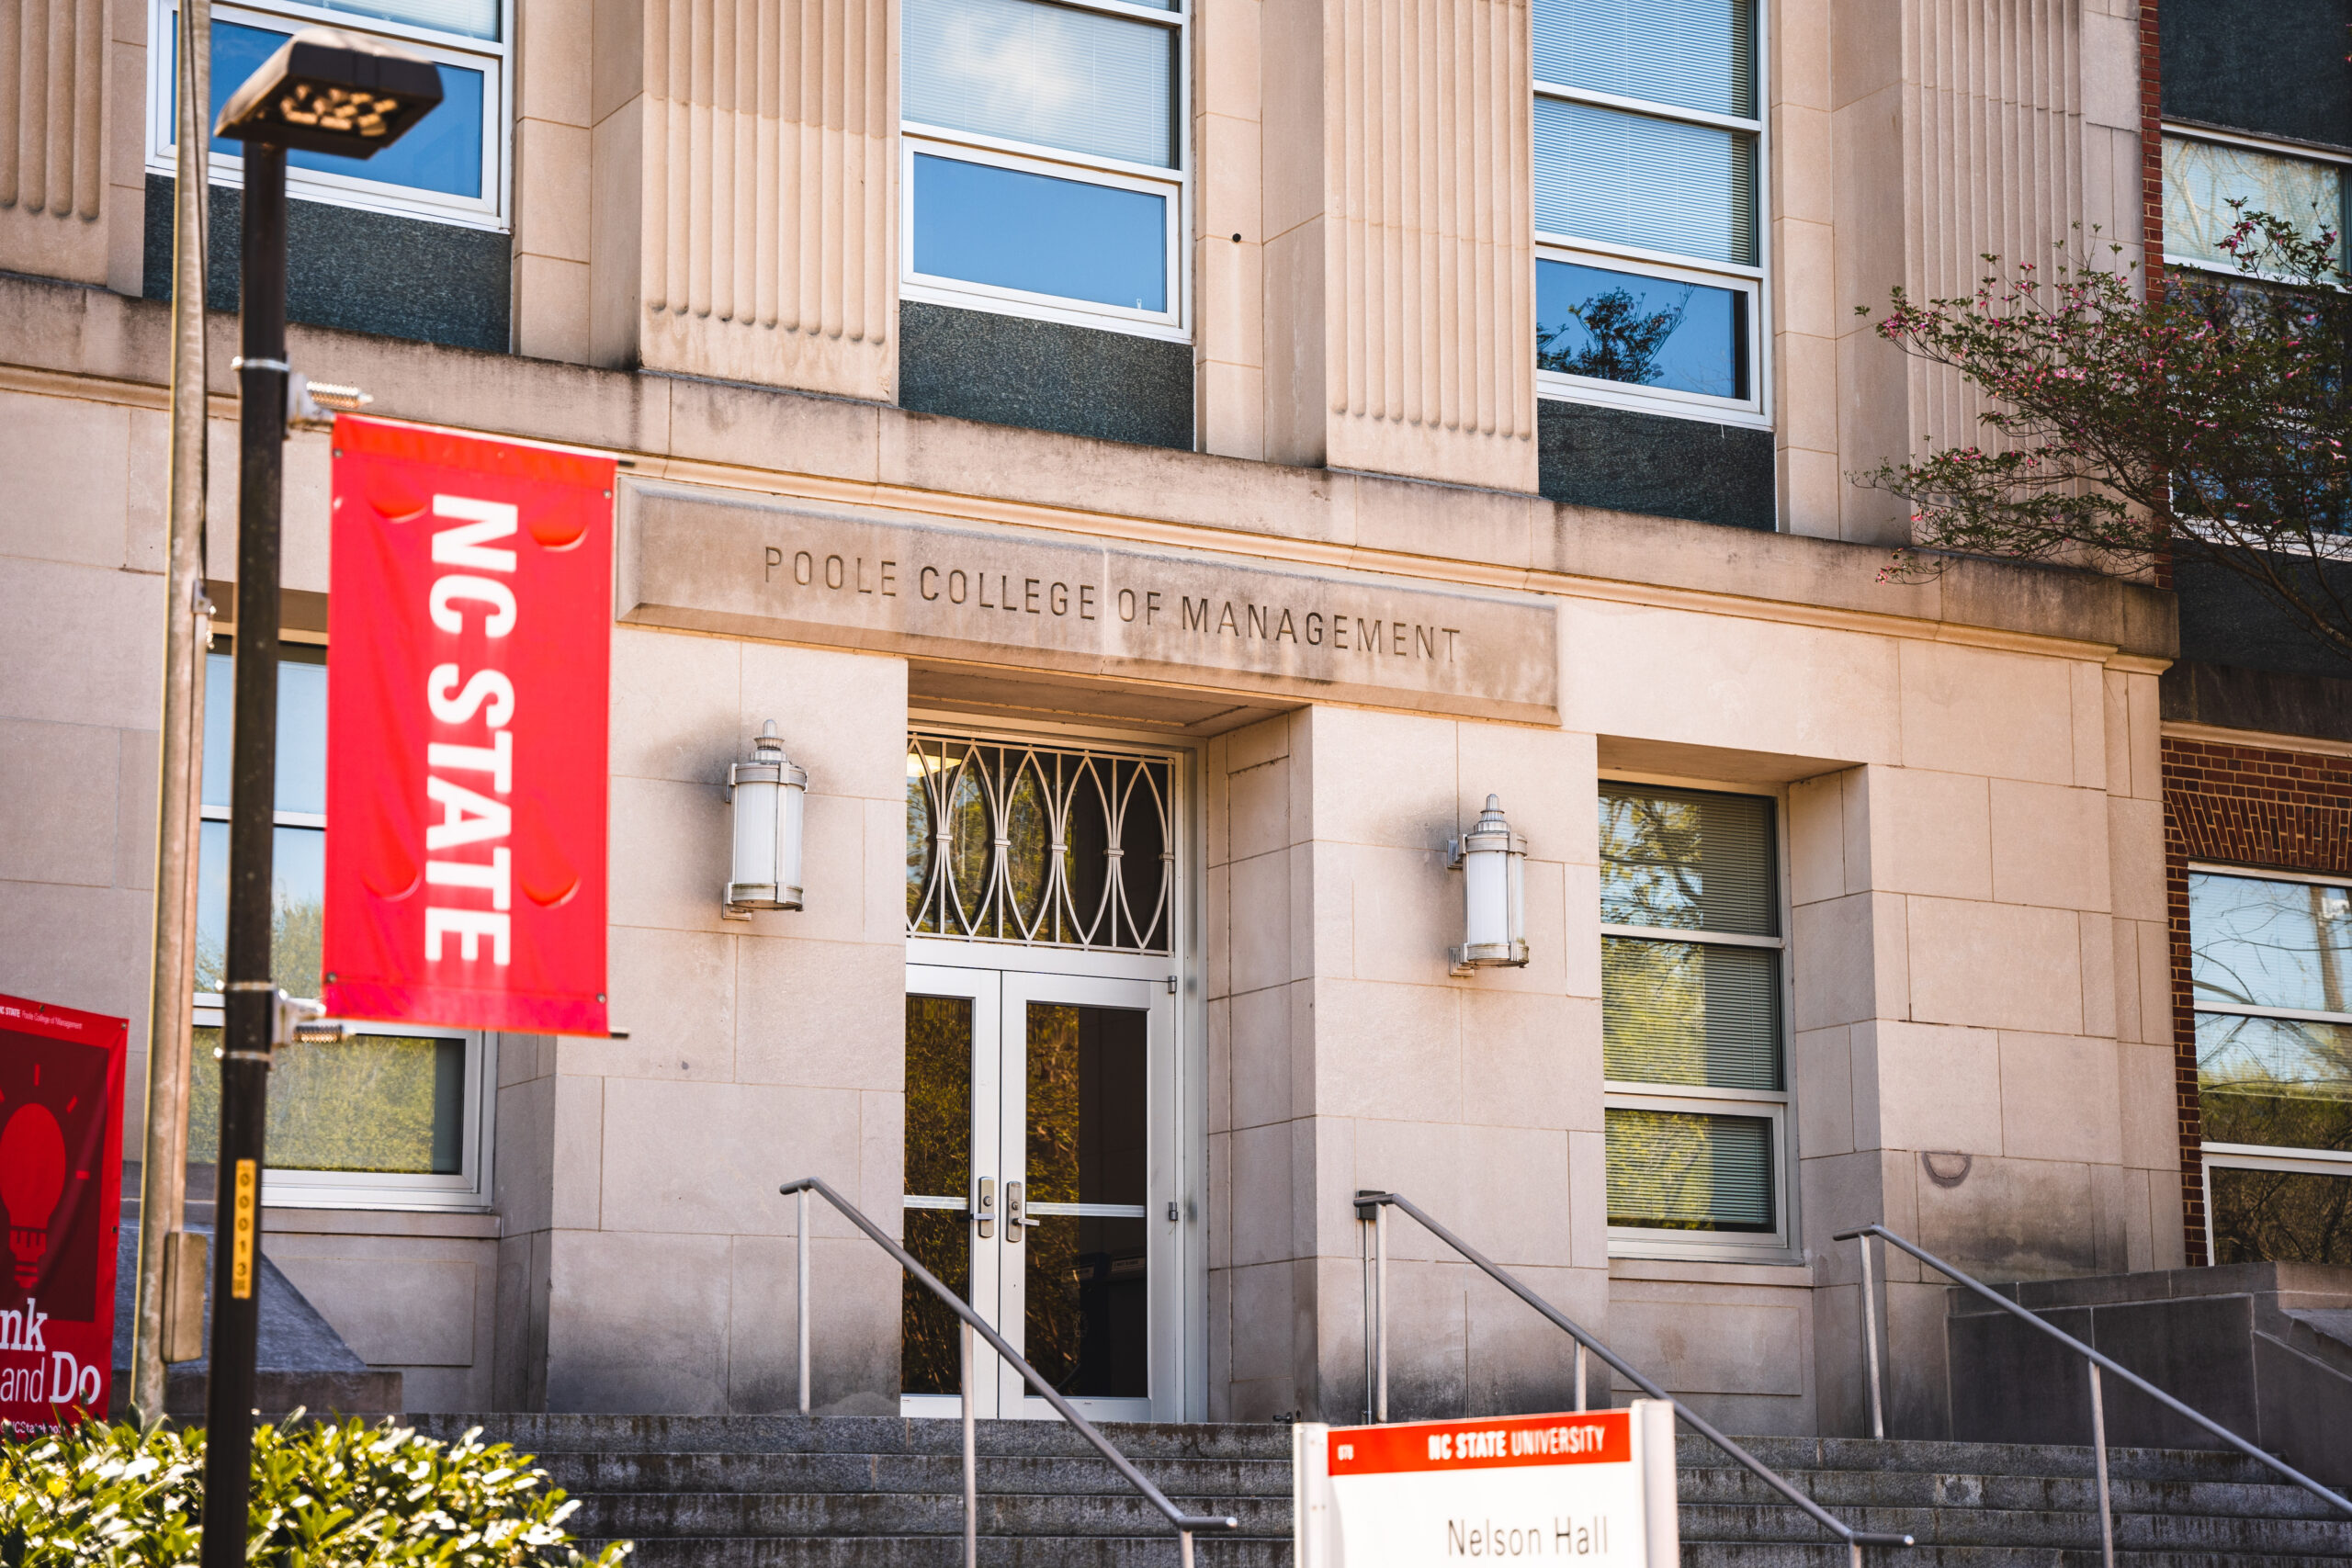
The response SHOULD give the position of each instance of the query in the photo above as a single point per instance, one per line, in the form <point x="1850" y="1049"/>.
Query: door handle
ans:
<point x="984" y="1210"/>
<point x="1014" y="1221"/>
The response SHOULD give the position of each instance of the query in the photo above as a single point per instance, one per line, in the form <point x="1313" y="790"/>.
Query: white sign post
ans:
<point x="1595" y="1490"/>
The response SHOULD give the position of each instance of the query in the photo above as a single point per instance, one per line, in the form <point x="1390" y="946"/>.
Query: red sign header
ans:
<point x="1600" y="1436"/>
<point x="471" y="621"/>
<point x="60" y="1184"/>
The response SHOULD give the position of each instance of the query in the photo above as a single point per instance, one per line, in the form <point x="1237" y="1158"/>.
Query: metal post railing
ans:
<point x="1380" y="1269"/>
<point x="2099" y="1364"/>
<point x="1369" y="1203"/>
<point x="973" y="1324"/>
<point x="971" y="1454"/>
<point x="1869" y="1345"/>
<point x="803" y="1251"/>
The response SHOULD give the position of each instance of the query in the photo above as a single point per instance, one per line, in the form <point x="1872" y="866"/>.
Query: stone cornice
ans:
<point x="70" y="340"/>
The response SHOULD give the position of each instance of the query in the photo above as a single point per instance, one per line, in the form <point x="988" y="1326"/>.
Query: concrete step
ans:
<point x="937" y="1551"/>
<point x="1792" y="1454"/>
<point x="624" y="1472"/>
<point x="552" y="1434"/>
<point x="2069" y="1529"/>
<point x="646" y="1516"/>
<point x="1844" y="1489"/>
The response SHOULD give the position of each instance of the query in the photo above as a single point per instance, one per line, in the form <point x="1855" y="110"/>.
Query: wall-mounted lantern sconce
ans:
<point x="767" y="793"/>
<point x="1493" y="863"/>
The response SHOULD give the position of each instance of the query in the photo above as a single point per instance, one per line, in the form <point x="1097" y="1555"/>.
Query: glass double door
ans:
<point x="1039" y="1185"/>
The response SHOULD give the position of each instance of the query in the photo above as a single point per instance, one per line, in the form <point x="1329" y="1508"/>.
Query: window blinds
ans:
<point x="1689" y="1170"/>
<point x="1687" y="860"/>
<point x="1657" y="185"/>
<point x="1675" y="1012"/>
<point x="1692" y="54"/>
<point x="1045" y="74"/>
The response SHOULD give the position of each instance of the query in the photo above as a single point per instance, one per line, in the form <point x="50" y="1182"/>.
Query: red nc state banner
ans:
<point x="470" y="613"/>
<point x="60" y="1181"/>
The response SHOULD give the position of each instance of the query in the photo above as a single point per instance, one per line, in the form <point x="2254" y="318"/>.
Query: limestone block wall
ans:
<point x="660" y="1273"/>
<point x="1978" y="970"/>
<point x="1395" y="226"/>
<point x="1342" y="1055"/>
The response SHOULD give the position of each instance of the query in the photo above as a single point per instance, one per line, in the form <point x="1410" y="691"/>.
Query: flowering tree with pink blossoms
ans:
<point x="2205" y="424"/>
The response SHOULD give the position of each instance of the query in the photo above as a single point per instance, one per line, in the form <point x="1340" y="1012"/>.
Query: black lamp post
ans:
<point x="323" y="92"/>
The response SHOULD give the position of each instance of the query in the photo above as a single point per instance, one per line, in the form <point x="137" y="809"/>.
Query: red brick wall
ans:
<point x="2238" y="805"/>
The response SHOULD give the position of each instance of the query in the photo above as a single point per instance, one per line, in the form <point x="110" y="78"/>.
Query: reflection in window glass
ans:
<point x="2201" y="178"/>
<point x="2281" y="1081"/>
<point x="1088" y="1305"/>
<point x="1679" y="1170"/>
<point x="302" y="726"/>
<point x="297" y="872"/>
<point x="379" y="1103"/>
<point x="1645" y="332"/>
<point x="1011" y="229"/>
<point x="2276" y="944"/>
<point x="1051" y="75"/>
<point x="938" y="1166"/>
<point x="442" y="153"/>
<point x="1680" y="1012"/>
<point x="2285" y="1216"/>
<point x="1688" y="860"/>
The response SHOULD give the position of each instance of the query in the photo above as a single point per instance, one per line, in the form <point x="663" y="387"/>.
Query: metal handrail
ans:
<point x="1368" y="1207"/>
<point x="974" y="1324"/>
<point x="2097" y="1363"/>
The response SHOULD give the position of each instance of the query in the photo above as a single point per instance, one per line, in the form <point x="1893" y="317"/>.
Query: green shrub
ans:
<point x="324" y="1496"/>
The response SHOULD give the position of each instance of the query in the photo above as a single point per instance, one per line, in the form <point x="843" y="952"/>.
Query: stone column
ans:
<point x="1952" y="131"/>
<point x="55" y="186"/>
<point x="757" y="138"/>
<point x="1397" y="278"/>
<point x="1343" y="1056"/>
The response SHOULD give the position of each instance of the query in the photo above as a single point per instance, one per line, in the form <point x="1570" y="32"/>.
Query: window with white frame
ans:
<point x="450" y="167"/>
<point x="394" y="1119"/>
<point x="1690" y="983"/>
<point x="2271" y="970"/>
<point x="2205" y="171"/>
<point x="1045" y="171"/>
<point x="1648" y="174"/>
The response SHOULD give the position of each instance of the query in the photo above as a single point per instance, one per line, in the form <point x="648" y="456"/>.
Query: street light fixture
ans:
<point x="324" y="91"/>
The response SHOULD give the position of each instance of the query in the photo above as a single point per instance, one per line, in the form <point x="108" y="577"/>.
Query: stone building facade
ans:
<point x="1920" y="968"/>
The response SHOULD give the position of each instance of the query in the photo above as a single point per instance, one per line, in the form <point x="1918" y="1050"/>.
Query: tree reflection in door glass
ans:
<point x="939" y="1164"/>
<point x="1087" y="1317"/>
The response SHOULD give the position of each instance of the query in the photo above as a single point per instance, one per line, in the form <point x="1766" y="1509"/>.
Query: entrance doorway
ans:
<point x="1041" y="1151"/>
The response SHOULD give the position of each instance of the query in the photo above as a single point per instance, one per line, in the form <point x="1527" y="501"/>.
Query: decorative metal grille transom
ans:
<point x="1065" y="847"/>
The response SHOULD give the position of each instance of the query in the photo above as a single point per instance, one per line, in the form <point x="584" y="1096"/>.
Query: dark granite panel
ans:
<point x="2013" y="1385"/>
<point x="2275" y="67"/>
<point x="1045" y="376"/>
<point x="2199" y="1350"/>
<point x="1641" y="462"/>
<point x="2306" y="1411"/>
<point x="2237" y="698"/>
<point x="363" y="272"/>
<point x="2224" y="619"/>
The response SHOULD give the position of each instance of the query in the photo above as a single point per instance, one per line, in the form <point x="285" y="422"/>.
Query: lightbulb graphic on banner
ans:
<point x="32" y="1175"/>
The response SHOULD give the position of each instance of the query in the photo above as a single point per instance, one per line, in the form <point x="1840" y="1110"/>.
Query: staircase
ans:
<point x="788" y="1492"/>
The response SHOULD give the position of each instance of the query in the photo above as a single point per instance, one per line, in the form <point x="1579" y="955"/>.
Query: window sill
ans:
<point x="1698" y="1272"/>
<point x="380" y="1222"/>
